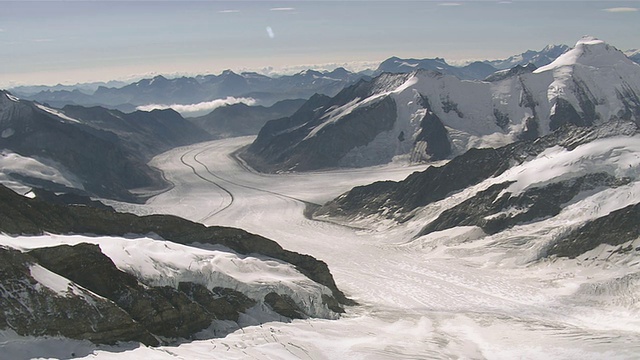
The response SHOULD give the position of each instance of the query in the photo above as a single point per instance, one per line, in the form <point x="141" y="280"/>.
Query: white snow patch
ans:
<point x="58" y="113"/>
<point x="618" y="156"/>
<point x="7" y="133"/>
<point x="12" y="98"/>
<point x="50" y="280"/>
<point x="12" y="163"/>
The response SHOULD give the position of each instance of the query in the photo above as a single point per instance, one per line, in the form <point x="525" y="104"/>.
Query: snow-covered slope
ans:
<point x="533" y="196"/>
<point x="146" y="279"/>
<point x="428" y="115"/>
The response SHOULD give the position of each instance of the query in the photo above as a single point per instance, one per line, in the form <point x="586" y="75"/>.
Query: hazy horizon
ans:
<point x="52" y="42"/>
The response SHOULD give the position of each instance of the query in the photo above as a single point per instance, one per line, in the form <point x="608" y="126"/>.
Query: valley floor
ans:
<point x="418" y="301"/>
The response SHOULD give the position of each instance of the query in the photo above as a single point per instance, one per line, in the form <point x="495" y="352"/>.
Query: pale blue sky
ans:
<point x="66" y="42"/>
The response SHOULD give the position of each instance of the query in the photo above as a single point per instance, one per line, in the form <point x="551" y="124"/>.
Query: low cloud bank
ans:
<point x="199" y="107"/>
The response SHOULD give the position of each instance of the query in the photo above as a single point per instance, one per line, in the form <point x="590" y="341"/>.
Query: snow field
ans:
<point x="451" y="294"/>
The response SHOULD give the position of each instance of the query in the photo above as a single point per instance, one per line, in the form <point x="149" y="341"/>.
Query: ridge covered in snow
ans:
<point x="438" y="116"/>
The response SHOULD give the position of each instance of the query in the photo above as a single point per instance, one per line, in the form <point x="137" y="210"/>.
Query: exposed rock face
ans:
<point x="30" y="308"/>
<point x="398" y="199"/>
<point x="162" y="311"/>
<point x="20" y="215"/>
<point x="223" y="303"/>
<point x="93" y="285"/>
<point x="616" y="228"/>
<point x="495" y="209"/>
<point x="554" y="192"/>
<point x="284" y="305"/>
<point x="435" y="138"/>
<point x="514" y="71"/>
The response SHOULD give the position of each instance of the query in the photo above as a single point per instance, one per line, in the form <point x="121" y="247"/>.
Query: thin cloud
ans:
<point x="199" y="107"/>
<point x="1" y="30"/>
<point x="230" y="11"/>
<point x="450" y="4"/>
<point x="42" y="40"/>
<point x="282" y="9"/>
<point x="270" y="32"/>
<point x="621" y="9"/>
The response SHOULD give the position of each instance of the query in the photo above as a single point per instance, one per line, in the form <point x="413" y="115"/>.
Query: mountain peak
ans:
<point x="589" y="51"/>
<point x="589" y="40"/>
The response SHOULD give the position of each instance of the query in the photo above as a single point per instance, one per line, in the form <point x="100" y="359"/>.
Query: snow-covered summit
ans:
<point x="589" y="51"/>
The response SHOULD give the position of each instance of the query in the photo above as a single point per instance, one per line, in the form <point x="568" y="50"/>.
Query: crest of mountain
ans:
<point x="426" y="115"/>
<point x="141" y="132"/>
<point x="192" y="90"/>
<point x="242" y="119"/>
<point x="87" y="88"/>
<point x="108" y="290"/>
<point x="474" y="71"/>
<point x="556" y="194"/>
<point x="537" y="58"/>
<point x="100" y="152"/>
<point x="633" y="55"/>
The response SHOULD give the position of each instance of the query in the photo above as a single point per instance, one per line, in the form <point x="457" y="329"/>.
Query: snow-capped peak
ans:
<point x="589" y="40"/>
<point x="589" y="51"/>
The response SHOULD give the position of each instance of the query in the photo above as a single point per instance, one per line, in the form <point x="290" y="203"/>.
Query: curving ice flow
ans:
<point x="439" y="299"/>
<point x="453" y="294"/>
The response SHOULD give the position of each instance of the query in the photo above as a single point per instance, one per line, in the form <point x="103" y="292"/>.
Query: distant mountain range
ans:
<point x="263" y="89"/>
<point x="429" y="115"/>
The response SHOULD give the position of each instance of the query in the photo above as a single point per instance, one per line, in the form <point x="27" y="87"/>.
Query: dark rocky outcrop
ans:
<point x="223" y="303"/>
<point x="163" y="311"/>
<point x="435" y="135"/>
<point x="615" y="228"/>
<point x="398" y="199"/>
<point x="20" y="215"/>
<point x="284" y="305"/>
<point x="32" y="309"/>
<point x="564" y="114"/>
<point x="495" y="210"/>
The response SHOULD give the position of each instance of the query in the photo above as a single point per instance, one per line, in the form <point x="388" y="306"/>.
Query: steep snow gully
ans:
<point x="417" y="302"/>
